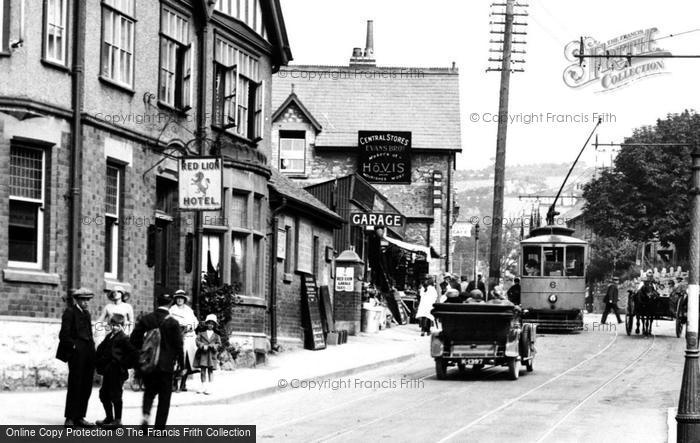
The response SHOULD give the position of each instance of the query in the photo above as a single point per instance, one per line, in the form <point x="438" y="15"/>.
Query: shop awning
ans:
<point x="429" y="251"/>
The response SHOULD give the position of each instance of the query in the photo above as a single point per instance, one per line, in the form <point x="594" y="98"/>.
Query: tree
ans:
<point x="610" y="256"/>
<point x="645" y="194"/>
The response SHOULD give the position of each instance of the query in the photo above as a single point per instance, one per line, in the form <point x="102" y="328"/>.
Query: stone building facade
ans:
<point x="320" y="109"/>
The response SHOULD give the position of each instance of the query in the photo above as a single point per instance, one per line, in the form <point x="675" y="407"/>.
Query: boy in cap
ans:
<point x="114" y="357"/>
<point x="77" y="348"/>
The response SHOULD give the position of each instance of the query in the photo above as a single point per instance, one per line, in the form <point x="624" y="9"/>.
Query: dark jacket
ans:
<point x="611" y="296"/>
<point x="76" y="325"/>
<point x="476" y="285"/>
<point x="115" y="353"/>
<point x="514" y="294"/>
<point x="171" y="338"/>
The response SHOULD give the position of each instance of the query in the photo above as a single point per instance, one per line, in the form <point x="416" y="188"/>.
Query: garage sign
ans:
<point x="390" y="220"/>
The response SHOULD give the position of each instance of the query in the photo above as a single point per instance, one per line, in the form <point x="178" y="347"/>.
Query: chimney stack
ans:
<point x="366" y="58"/>
<point x="369" y="45"/>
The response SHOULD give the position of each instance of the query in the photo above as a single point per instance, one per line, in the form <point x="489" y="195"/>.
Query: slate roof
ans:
<point x="347" y="99"/>
<point x="292" y="191"/>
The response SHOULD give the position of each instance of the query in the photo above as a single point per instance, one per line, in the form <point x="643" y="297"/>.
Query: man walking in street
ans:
<point x="77" y="348"/>
<point x="160" y="381"/>
<point x="611" y="299"/>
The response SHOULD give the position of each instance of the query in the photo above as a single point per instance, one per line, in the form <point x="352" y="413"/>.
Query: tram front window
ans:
<point x="553" y="262"/>
<point x="531" y="260"/>
<point x="574" y="261"/>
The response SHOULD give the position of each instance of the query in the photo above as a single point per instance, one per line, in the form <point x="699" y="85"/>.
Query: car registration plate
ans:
<point x="475" y="361"/>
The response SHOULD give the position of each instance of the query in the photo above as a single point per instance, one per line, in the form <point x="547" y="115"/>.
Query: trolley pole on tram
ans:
<point x="688" y="416"/>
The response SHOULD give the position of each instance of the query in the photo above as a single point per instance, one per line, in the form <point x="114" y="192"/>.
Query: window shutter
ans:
<point x="186" y="59"/>
<point x="232" y="119"/>
<point x="259" y="110"/>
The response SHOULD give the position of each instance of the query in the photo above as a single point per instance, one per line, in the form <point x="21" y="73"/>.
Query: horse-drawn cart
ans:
<point x="647" y="305"/>
<point x="481" y="334"/>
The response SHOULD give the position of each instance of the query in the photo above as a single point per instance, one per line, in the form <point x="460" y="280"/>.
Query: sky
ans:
<point x="550" y="120"/>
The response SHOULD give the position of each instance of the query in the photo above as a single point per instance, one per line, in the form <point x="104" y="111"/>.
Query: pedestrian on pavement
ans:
<point x="208" y="347"/>
<point x="188" y="323"/>
<point x="514" y="292"/>
<point x="117" y="305"/>
<point x="428" y="297"/>
<point x="77" y="348"/>
<point x="160" y="381"/>
<point x="611" y="299"/>
<point x="478" y="284"/>
<point x="113" y="358"/>
<point x="463" y="284"/>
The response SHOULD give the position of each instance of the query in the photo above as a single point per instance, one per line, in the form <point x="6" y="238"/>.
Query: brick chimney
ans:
<point x="366" y="58"/>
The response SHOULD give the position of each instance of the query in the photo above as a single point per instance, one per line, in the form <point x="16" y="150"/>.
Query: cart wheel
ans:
<point x="514" y="368"/>
<point x="462" y="368"/>
<point x="440" y="368"/>
<point x="477" y="367"/>
<point x="529" y="365"/>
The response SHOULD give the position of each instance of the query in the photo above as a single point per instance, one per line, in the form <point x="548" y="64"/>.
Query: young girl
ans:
<point x="208" y="345"/>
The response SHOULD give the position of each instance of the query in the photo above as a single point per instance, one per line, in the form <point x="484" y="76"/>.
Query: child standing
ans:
<point x="208" y="345"/>
<point x="113" y="358"/>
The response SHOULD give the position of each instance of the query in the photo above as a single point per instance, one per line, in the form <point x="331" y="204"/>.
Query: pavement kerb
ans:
<point x="250" y="395"/>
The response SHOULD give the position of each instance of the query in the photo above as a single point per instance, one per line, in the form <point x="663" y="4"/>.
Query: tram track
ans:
<point x="527" y="393"/>
<point x="597" y="391"/>
<point x="490" y="373"/>
<point x="539" y="387"/>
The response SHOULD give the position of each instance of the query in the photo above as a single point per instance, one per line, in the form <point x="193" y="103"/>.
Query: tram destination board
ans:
<point x="311" y="311"/>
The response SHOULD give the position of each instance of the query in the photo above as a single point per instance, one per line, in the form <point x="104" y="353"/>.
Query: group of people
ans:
<point x="453" y="289"/>
<point x="181" y="351"/>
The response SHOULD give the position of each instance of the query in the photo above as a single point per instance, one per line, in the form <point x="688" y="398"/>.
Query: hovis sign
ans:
<point x="200" y="181"/>
<point x="360" y="219"/>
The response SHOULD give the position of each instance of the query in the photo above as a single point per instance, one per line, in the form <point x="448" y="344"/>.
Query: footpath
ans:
<point x="361" y="353"/>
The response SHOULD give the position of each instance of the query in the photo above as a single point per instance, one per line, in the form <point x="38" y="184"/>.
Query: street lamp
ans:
<point x="688" y="416"/>
<point x="476" y="248"/>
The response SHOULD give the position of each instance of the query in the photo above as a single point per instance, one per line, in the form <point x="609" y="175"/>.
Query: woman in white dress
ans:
<point x="118" y="305"/>
<point x="428" y="297"/>
<point x="188" y="323"/>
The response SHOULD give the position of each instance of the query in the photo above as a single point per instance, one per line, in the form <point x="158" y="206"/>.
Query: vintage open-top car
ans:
<point x="479" y="334"/>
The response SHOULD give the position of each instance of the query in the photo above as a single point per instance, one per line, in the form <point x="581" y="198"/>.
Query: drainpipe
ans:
<point x="201" y="146"/>
<point x="77" y="143"/>
<point x="273" y="275"/>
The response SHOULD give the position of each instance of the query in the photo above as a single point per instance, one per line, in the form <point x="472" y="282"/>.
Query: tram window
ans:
<point x="553" y="262"/>
<point x="574" y="261"/>
<point x="531" y="260"/>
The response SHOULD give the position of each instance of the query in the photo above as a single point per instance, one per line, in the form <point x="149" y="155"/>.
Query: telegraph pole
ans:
<point x="499" y="177"/>
<point x="476" y="249"/>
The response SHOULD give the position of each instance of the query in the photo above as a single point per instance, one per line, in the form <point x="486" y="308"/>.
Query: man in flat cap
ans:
<point x="77" y="348"/>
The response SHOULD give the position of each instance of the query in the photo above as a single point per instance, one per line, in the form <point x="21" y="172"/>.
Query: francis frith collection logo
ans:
<point x="618" y="70"/>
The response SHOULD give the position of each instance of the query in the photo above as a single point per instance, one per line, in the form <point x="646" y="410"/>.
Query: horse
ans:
<point x="646" y="308"/>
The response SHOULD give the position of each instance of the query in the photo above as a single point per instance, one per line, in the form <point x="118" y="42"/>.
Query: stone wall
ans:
<point x="29" y="350"/>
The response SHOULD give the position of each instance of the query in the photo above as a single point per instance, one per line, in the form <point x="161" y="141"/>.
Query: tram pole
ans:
<point x="688" y="416"/>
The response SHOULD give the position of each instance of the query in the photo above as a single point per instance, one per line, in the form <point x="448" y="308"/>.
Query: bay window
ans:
<point x="238" y="91"/>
